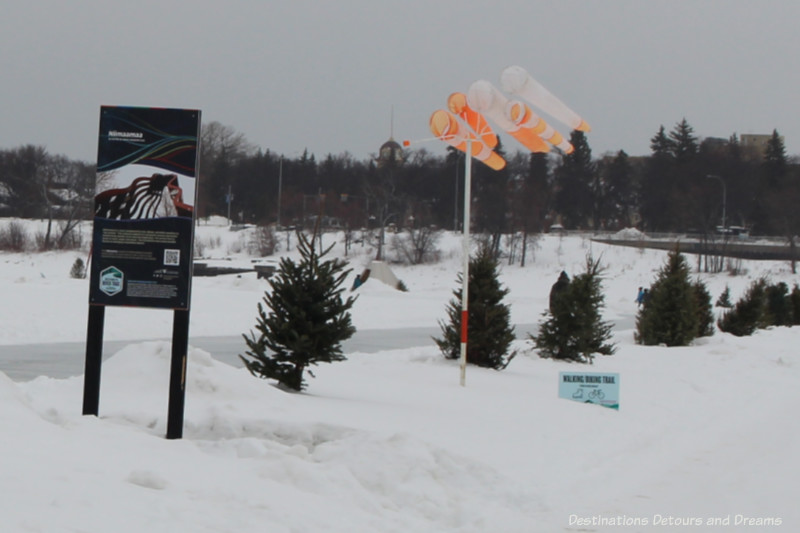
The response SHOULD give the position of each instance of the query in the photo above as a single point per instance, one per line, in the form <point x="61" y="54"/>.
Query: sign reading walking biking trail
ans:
<point x="589" y="387"/>
<point x="144" y="207"/>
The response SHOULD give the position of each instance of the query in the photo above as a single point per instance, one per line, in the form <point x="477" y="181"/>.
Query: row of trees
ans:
<point x="37" y="184"/>
<point x="668" y="190"/>
<point x="306" y="315"/>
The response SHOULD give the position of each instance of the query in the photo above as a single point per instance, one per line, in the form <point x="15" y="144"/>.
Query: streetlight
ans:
<point x="724" y="196"/>
<point x="280" y="187"/>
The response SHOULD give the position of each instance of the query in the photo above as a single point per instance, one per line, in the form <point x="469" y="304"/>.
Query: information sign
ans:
<point x="589" y="387"/>
<point x="144" y="207"/>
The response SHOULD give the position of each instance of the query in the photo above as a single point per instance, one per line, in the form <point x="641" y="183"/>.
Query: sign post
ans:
<point x="143" y="236"/>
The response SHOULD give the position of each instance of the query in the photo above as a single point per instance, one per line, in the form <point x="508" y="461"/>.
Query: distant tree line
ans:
<point x="37" y="184"/>
<point x="669" y="190"/>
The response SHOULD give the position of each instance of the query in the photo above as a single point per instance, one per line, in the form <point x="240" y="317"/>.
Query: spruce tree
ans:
<point x="749" y="313"/>
<point x="490" y="332"/>
<point x="794" y="301"/>
<point x="656" y="185"/>
<point x="307" y="319"/>
<point x="620" y="192"/>
<point x="775" y="164"/>
<point x="724" y="299"/>
<point x="574" y="197"/>
<point x="670" y="314"/>
<point x="705" y="311"/>
<point x="573" y="329"/>
<point x="684" y="142"/>
<point x="779" y="305"/>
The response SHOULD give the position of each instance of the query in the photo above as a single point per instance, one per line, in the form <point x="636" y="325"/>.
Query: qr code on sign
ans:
<point x="172" y="257"/>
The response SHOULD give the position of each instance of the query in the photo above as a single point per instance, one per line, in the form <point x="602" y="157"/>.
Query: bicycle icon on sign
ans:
<point x="596" y="394"/>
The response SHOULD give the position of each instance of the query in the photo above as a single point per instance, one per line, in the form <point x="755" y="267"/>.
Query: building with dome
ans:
<point x="390" y="154"/>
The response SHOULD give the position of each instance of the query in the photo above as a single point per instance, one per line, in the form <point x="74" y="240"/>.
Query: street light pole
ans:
<point x="724" y="196"/>
<point x="280" y="187"/>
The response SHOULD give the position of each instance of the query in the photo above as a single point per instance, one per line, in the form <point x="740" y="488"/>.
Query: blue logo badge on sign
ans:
<point x="111" y="280"/>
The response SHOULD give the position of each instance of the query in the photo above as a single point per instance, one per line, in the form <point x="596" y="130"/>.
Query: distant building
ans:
<point x="390" y="154"/>
<point x="755" y="142"/>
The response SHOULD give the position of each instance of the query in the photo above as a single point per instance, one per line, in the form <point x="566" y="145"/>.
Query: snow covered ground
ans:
<point x="705" y="438"/>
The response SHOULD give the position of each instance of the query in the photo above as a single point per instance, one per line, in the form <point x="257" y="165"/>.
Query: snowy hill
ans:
<point x="704" y="439"/>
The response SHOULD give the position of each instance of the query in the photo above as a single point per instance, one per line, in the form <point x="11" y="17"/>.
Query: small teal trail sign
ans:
<point x="590" y="387"/>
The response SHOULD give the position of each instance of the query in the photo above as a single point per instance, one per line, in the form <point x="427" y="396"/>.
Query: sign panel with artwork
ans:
<point x="144" y="207"/>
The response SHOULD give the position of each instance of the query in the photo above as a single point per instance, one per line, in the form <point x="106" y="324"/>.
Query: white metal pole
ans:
<point x="465" y="252"/>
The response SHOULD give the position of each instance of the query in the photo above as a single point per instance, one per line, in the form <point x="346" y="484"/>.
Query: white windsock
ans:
<point x="517" y="81"/>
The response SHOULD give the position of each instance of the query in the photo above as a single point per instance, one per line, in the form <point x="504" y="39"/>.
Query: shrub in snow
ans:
<point x="676" y="311"/>
<point x="488" y="320"/>
<point x="307" y="319"/>
<point x="763" y="305"/>
<point x="264" y="242"/>
<point x="417" y="245"/>
<point x="14" y="237"/>
<point x="573" y="329"/>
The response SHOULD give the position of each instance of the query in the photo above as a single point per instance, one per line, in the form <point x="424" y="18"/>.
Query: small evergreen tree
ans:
<point x="794" y="301"/>
<point x="307" y="320"/>
<point x="78" y="270"/>
<point x="779" y="305"/>
<point x="705" y="311"/>
<point x="573" y="329"/>
<point x="489" y="325"/>
<point x="724" y="299"/>
<point x="670" y="314"/>
<point x="749" y="313"/>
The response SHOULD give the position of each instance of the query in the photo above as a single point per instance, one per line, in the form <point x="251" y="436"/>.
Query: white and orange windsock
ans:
<point x="516" y="80"/>
<point x="521" y="114"/>
<point x="447" y="127"/>
<point x="485" y="98"/>
<point x="457" y="104"/>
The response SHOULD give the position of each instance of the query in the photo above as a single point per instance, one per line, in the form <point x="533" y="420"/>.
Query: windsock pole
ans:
<point x="465" y="253"/>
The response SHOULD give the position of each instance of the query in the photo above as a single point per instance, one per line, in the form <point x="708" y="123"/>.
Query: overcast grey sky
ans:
<point x="324" y="75"/>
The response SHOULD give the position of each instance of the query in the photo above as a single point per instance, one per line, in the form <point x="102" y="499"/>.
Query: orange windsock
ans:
<point x="457" y="103"/>
<point x="446" y="127"/>
<point x="485" y="98"/>
<point x="521" y="114"/>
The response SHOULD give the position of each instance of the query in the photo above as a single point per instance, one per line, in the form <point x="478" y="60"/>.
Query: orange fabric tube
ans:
<point x="446" y="127"/>
<point x="521" y="114"/>
<point x="457" y="103"/>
